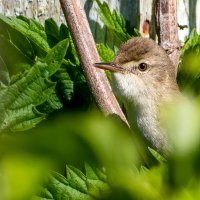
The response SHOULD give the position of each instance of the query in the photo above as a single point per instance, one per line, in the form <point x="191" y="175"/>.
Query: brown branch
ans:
<point x="167" y="30"/>
<point x="86" y="48"/>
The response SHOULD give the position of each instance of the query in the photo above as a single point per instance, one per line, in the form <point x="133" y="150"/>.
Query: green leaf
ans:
<point x="106" y="54"/>
<point x="95" y="173"/>
<point x="22" y="55"/>
<point x="34" y="25"/>
<point x="29" y="33"/>
<point x="114" y="21"/>
<point x="51" y="104"/>
<point x="4" y="74"/>
<point x="189" y="71"/>
<point x="97" y="183"/>
<point x="192" y="42"/>
<point x="157" y="156"/>
<point x="76" y="186"/>
<point x="71" y="51"/>
<point x="18" y="100"/>
<point x="136" y="32"/>
<point x="55" y="56"/>
<point x="64" y="83"/>
<point x="76" y="179"/>
<point x="52" y="32"/>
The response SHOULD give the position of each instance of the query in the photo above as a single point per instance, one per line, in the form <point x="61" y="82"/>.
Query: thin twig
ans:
<point x="86" y="48"/>
<point x="167" y="28"/>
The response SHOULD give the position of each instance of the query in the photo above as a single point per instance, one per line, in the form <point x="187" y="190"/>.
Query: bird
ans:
<point x="144" y="79"/>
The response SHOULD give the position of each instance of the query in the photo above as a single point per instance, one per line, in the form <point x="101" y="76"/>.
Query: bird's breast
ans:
<point x="128" y="87"/>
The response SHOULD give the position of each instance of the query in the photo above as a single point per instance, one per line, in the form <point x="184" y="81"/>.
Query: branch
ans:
<point x="167" y="31"/>
<point x="86" y="48"/>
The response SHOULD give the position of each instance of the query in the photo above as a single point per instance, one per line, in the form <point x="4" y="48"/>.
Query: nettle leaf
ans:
<point x="189" y="70"/>
<point x="18" y="100"/>
<point x="96" y="181"/>
<point x="95" y="173"/>
<point x="22" y="38"/>
<point x="114" y="21"/>
<point x="4" y="74"/>
<point x="76" y="179"/>
<point x="71" y="51"/>
<point x="106" y="54"/>
<point x="52" y="32"/>
<point x="65" y="84"/>
<point x="76" y="186"/>
<point x="28" y="35"/>
<point x="192" y="42"/>
<point x="51" y="104"/>
<point x="19" y="47"/>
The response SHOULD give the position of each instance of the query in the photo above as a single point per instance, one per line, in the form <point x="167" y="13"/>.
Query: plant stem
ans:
<point x="86" y="48"/>
<point x="167" y="28"/>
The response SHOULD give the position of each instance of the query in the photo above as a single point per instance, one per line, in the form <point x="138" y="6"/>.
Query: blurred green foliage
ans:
<point x="76" y="153"/>
<point x="189" y="71"/>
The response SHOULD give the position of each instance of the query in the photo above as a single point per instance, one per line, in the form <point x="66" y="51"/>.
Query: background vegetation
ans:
<point x="55" y="143"/>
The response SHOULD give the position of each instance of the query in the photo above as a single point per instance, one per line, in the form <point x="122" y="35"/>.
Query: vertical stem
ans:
<point x="167" y="28"/>
<point x="86" y="48"/>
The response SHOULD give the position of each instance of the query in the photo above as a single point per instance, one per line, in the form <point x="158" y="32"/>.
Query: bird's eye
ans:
<point x="142" y="67"/>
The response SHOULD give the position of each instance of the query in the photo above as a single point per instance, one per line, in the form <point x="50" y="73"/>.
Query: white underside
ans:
<point x="137" y="97"/>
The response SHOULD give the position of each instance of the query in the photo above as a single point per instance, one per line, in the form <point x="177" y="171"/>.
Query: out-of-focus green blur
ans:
<point x="77" y="138"/>
<point x="69" y="139"/>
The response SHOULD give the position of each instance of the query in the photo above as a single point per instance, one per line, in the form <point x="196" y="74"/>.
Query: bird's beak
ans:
<point x="109" y="66"/>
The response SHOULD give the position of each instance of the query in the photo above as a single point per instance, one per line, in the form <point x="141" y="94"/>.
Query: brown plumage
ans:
<point x="143" y="79"/>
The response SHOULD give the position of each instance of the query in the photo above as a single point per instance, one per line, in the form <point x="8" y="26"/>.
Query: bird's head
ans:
<point x="141" y="67"/>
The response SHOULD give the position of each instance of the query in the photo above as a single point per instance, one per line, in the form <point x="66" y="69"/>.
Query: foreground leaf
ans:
<point x="18" y="101"/>
<point x="76" y="186"/>
<point x="4" y="74"/>
<point x="34" y="34"/>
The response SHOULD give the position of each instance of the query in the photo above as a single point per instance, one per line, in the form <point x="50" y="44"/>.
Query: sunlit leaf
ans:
<point x="75" y="186"/>
<point x="114" y="21"/>
<point x="18" y="100"/>
<point x="106" y="54"/>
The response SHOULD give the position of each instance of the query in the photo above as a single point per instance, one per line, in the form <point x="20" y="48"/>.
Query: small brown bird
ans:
<point x="143" y="79"/>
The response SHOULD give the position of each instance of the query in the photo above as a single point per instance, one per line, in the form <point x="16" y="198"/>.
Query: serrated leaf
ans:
<point x="29" y="29"/>
<point x="95" y="173"/>
<point x="76" y="186"/>
<point x="114" y="21"/>
<point x="22" y="38"/>
<point x="9" y="46"/>
<point x="22" y="118"/>
<point x="96" y="181"/>
<point x="65" y="84"/>
<point x="55" y="56"/>
<point x="52" y="32"/>
<point x="34" y="25"/>
<point x="51" y="104"/>
<point x="76" y="179"/>
<point x="106" y="54"/>
<point x="192" y="42"/>
<point x="189" y="71"/>
<point x="18" y="100"/>
<point x="71" y="52"/>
